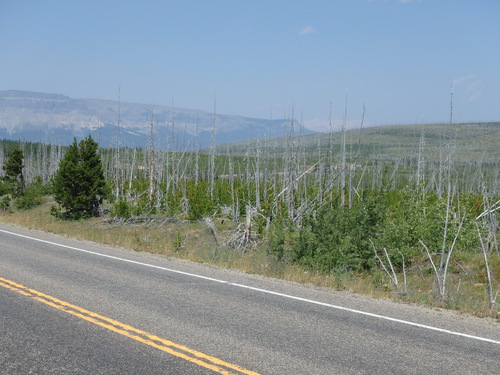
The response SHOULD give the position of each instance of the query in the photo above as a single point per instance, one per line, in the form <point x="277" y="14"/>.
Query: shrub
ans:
<point x="5" y="188"/>
<point x="29" y="200"/>
<point x="33" y="195"/>
<point x="339" y="236"/>
<point x="279" y="238"/>
<point x="200" y="202"/>
<point x="121" y="209"/>
<point x="5" y="204"/>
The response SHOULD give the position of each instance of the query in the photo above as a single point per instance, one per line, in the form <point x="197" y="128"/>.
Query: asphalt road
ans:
<point x="70" y="307"/>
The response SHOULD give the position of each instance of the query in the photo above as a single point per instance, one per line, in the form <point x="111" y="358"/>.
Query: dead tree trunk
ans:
<point x="212" y="155"/>
<point x="151" y="162"/>
<point x="343" y="154"/>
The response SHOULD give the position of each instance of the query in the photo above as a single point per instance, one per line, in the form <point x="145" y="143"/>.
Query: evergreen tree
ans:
<point x="79" y="184"/>
<point x="13" y="171"/>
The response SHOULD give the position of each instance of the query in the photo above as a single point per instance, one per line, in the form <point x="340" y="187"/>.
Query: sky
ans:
<point x="385" y="61"/>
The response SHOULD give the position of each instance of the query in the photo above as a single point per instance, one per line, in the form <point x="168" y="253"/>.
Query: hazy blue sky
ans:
<point x="265" y="59"/>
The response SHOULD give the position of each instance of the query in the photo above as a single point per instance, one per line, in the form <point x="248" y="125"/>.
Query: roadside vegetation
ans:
<point x="405" y="213"/>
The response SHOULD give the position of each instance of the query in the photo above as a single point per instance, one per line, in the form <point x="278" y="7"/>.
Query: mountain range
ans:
<point x="58" y="119"/>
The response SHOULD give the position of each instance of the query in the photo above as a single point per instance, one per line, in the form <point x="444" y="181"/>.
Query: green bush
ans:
<point x="33" y="195"/>
<point x="279" y="242"/>
<point x="410" y="217"/>
<point x="339" y="237"/>
<point x="200" y="202"/>
<point x="28" y="200"/>
<point x="5" y="204"/>
<point x="121" y="209"/>
<point x="5" y="188"/>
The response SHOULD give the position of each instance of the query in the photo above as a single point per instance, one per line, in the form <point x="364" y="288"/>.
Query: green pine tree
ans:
<point x="13" y="172"/>
<point x="79" y="184"/>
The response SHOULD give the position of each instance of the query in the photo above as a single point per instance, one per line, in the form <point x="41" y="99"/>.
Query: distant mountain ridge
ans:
<point x="57" y="119"/>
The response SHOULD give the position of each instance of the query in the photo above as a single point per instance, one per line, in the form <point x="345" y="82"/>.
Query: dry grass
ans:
<point x="467" y="289"/>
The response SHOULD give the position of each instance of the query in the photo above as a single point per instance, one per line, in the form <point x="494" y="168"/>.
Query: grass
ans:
<point x="466" y="284"/>
<point x="474" y="141"/>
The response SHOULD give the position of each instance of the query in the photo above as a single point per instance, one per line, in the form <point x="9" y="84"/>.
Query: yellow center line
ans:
<point x="180" y="351"/>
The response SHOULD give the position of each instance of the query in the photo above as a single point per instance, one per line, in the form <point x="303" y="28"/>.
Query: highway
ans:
<point x="76" y="307"/>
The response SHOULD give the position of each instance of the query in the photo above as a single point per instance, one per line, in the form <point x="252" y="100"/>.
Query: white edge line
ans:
<point x="360" y="312"/>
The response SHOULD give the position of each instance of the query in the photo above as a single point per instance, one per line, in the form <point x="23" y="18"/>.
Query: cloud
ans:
<point x="307" y="30"/>
<point x="318" y="125"/>
<point x="459" y="81"/>
<point x="471" y="85"/>
<point x="322" y="125"/>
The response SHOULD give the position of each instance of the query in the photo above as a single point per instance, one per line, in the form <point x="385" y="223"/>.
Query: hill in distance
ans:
<point x="57" y="119"/>
<point x="468" y="142"/>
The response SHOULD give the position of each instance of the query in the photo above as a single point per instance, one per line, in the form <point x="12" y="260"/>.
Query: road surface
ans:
<point x="75" y="307"/>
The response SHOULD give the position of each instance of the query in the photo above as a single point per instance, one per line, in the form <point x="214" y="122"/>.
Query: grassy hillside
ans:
<point x="479" y="141"/>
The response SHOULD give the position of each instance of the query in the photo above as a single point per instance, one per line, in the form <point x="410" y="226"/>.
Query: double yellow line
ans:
<point x="167" y="346"/>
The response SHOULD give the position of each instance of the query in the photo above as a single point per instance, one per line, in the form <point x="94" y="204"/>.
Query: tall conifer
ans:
<point x="13" y="171"/>
<point x="79" y="184"/>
